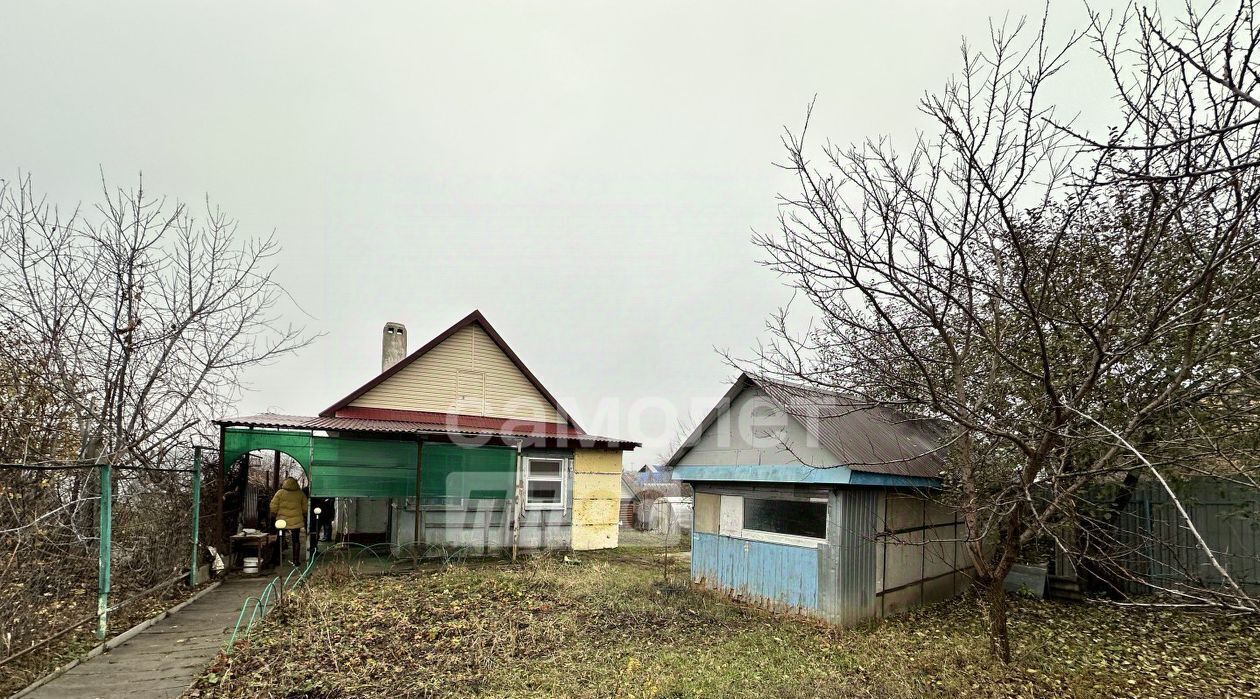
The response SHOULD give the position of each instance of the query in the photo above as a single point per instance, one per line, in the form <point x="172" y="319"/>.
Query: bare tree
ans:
<point x="682" y="430"/>
<point x="1050" y="296"/>
<point x="141" y="317"/>
<point x="122" y="330"/>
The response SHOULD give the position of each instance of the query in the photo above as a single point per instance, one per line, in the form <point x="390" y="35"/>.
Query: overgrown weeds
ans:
<point x="611" y="627"/>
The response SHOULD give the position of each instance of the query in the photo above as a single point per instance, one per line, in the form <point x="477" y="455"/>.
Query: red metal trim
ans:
<point x="474" y="317"/>
<point x="457" y="421"/>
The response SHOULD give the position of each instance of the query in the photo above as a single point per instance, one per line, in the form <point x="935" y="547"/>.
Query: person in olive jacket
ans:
<point x="289" y="504"/>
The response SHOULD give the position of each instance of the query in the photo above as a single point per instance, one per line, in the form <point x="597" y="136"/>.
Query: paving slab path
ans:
<point x="164" y="659"/>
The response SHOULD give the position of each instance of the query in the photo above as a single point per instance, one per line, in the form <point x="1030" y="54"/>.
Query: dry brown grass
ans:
<point x="610" y="627"/>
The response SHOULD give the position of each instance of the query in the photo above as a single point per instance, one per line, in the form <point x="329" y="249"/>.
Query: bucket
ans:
<point x="250" y="565"/>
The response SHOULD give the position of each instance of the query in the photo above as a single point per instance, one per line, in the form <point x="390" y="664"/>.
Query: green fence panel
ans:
<point x="452" y="471"/>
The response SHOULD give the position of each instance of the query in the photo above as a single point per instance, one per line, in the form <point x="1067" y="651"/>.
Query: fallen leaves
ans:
<point x="611" y="628"/>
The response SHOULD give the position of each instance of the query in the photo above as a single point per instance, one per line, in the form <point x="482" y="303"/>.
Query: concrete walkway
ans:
<point x="164" y="659"/>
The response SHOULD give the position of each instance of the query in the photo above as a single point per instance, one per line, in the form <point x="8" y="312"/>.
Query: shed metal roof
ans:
<point x="863" y="437"/>
<point x="797" y="474"/>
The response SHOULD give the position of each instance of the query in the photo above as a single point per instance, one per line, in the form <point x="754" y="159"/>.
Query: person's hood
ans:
<point x="291" y="484"/>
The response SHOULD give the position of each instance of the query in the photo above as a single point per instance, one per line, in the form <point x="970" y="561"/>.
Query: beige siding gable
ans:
<point x="465" y="374"/>
<point x="753" y="431"/>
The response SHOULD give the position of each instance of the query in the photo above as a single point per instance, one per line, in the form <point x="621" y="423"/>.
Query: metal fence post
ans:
<point x="103" y="551"/>
<point x="196" y="517"/>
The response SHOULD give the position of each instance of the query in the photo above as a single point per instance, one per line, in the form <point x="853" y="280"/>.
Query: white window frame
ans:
<point x="732" y="524"/>
<point x="787" y="539"/>
<point x="564" y="483"/>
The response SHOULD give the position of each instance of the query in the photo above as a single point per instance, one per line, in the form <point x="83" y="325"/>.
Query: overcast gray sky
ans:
<point x="585" y="173"/>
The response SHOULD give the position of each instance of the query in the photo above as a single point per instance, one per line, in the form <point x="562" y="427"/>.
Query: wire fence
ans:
<point x="82" y="542"/>
<point x="255" y="609"/>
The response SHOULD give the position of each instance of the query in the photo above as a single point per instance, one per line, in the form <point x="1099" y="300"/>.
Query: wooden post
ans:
<point x="196" y="517"/>
<point x="103" y="551"/>
<point x="275" y="472"/>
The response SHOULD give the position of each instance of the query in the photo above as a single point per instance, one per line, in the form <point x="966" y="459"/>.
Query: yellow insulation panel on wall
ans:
<point x="601" y="511"/>
<point x="597" y="461"/>
<point x="590" y="538"/>
<point x="596" y="498"/>
<point x="598" y="486"/>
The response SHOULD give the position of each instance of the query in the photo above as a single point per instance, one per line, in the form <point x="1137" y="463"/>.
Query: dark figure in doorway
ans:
<point x="323" y="520"/>
<point x="320" y="517"/>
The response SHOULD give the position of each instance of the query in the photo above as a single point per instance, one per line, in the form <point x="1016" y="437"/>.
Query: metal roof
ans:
<point x="863" y="437"/>
<point x="796" y="474"/>
<point x="438" y="424"/>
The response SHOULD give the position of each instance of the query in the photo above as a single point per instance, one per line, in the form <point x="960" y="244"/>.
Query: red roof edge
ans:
<point x="454" y="420"/>
<point x="471" y="318"/>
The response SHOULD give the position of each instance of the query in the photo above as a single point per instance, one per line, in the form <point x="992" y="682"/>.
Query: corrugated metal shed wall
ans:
<point x="851" y="526"/>
<point x="869" y="548"/>
<point x="763" y="572"/>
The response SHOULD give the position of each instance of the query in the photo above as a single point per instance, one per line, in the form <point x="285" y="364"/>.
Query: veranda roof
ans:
<point x="418" y="423"/>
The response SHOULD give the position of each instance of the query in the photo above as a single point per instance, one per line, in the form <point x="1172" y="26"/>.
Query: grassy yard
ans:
<point x="611" y="626"/>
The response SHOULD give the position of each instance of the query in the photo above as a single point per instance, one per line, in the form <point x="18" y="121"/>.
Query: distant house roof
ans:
<point x="661" y="475"/>
<point x="644" y="491"/>
<point x="863" y="437"/>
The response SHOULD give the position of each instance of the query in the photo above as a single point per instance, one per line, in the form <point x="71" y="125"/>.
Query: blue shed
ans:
<point x="812" y="502"/>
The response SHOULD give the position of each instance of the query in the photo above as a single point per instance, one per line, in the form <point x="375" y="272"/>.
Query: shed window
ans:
<point x="791" y="517"/>
<point x="545" y="484"/>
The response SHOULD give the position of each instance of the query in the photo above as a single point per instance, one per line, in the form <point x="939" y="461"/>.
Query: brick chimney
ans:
<point x="393" y="344"/>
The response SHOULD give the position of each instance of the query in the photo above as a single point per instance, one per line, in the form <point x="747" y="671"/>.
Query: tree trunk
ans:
<point x="999" y="634"/>
<point x="995" y="582"/>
